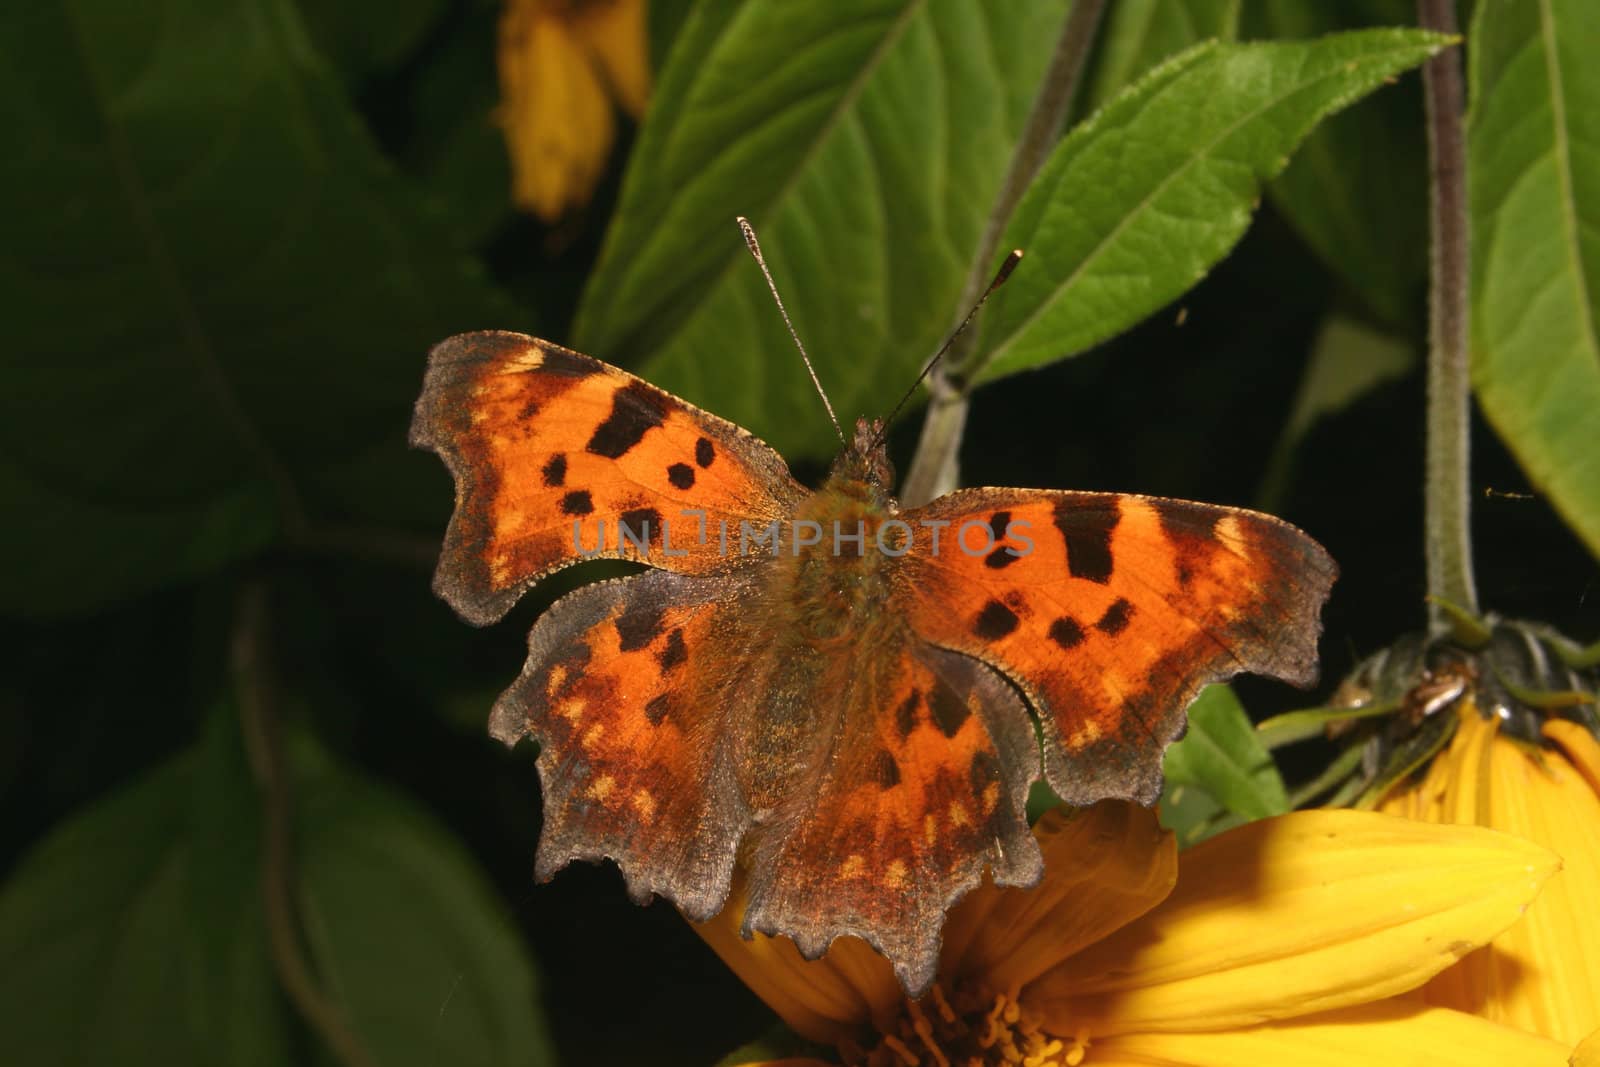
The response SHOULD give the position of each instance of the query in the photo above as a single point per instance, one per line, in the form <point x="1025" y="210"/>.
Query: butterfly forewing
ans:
<point x="558" y="457"/>
<point x="1111" y="612"/>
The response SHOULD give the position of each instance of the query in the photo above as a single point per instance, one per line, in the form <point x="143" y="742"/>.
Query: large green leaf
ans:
<point x="1534" y="157"/>
<point x="1356" y="190"/>
<point x="1139" y="34"/>
<point x="866" y="141"/>
<point x="408" y="934"/>
<point x="217" y="287"/>
<point x="1136" y="204"/>
<point x="134" y="934"/>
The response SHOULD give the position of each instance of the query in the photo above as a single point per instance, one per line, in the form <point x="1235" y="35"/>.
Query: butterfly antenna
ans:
<point x="1000" y="277"/>
<point x="755" y="250"/>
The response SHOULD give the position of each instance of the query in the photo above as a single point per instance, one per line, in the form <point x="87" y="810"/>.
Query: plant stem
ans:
<point x="1447" y="498"/>
<point x="263" y="742"/>
<point x="934" y="468"/>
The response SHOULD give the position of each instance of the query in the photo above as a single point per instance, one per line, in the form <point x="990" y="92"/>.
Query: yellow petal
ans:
<point x="1308" y="912"/>
<point x="1104" y="867"/>
<point x="616" y="33"/>
<point x="554" y="110"/>
<point x="823" y="1000"/>
<point x="1580" y="747"/>
<point x="1388" y="1032"/>
<point x="808" y="995"/>
<point x="1543" y="974"/>
<point x="1587" y="1054"/>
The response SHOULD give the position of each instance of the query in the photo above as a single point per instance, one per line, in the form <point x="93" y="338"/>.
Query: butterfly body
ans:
<point x="846" y="699"/>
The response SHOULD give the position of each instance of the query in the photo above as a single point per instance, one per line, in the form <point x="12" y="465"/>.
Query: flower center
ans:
<point x="969" y="1028"/>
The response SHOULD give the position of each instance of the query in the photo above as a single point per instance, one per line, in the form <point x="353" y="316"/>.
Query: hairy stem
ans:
<point x="934" y="467"/>
<point x="263" y="741"/>
<point x="1447" y="498"/>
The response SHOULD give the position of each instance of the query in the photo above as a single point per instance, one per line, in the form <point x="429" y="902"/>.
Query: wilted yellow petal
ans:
<point x="1388" y="1032"/>
<point x="616" y="33"/>
<point x="1308" y="912"/>
<point x="1104" y="867"/>
<point x="554" y="109"/>
<point x="1543" y="974"/>
<point x="811" y="996"/>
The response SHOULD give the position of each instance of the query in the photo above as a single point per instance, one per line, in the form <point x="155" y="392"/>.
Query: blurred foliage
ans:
<point x="238" y="226"/>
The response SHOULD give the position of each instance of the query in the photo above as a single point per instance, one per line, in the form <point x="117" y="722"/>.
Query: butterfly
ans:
<point x="845" y="699"/>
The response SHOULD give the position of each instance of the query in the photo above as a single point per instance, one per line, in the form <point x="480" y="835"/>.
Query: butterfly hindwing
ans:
<point x="550" y="448"/>
<point x="633" y="760"/>
<point x="923" y="787"/>
<point x="1111" y="612"/>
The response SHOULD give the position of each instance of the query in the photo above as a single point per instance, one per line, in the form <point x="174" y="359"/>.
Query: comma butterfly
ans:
<point x="829" y="690"/>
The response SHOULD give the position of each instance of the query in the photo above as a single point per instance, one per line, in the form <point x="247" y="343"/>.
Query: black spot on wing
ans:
<point x="637" y="627"/>
<point x="1115" y="619"/>
<point x="675" y="652"/>
<point x="884" y="770"/>
<point x="555" y="471"/>
<point x="994" y="621"/>
<point x="1066" y="632"/>
<point x="657" y="709"/>
<point x="949" y="710"/>
<point x="905" y="716"/>
<point x="1002" y="555"/>
<point x="640" y="526"/>
<point x="681" y="475"/>
<point x="704" y="452"/>
<point x="1086" y="532"/>
<point x="1179" y="521"/>
<point x="636" y="409"/>
<point x="577" y="502"/>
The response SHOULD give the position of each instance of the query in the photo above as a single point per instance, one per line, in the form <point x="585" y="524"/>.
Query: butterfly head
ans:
<point x="864" y="464"/>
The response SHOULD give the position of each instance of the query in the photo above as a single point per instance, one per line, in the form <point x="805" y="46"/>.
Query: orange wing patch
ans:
<point x="923" y="788"/>
<point x="1111" y="612"/>
<point x="558" y="457"/>
<point x="631" y="763"/>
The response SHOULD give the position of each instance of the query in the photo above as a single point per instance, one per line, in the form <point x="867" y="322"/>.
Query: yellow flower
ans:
<point x="562" y="63"/>
<point x="1279" y="943"/>
<point x="1543" y="974"/>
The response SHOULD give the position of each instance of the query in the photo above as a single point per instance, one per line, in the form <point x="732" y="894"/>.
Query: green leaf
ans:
<point x="362" y="39"/>
<point x="1534" y="156"/>
<point x="1357" y="188"/>
<point x="866" y="142"/>
<point x="1222" y="756"/>
<point x="407" y="933"/>
<point x="664" y="19"/>
<point x="1348" y="360"/>
<point x="134" y="934"/>
<point x="232" y="290"/>
<point x="1139" y="34"/>
<point x="1136" y="204"/>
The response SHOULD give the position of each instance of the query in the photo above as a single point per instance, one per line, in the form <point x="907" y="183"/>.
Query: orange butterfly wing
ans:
<point x="621" y="689"/>
<point x="549" y="447"/>
<point x="1110" y="612"/>
<point x="925" y="790"/>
